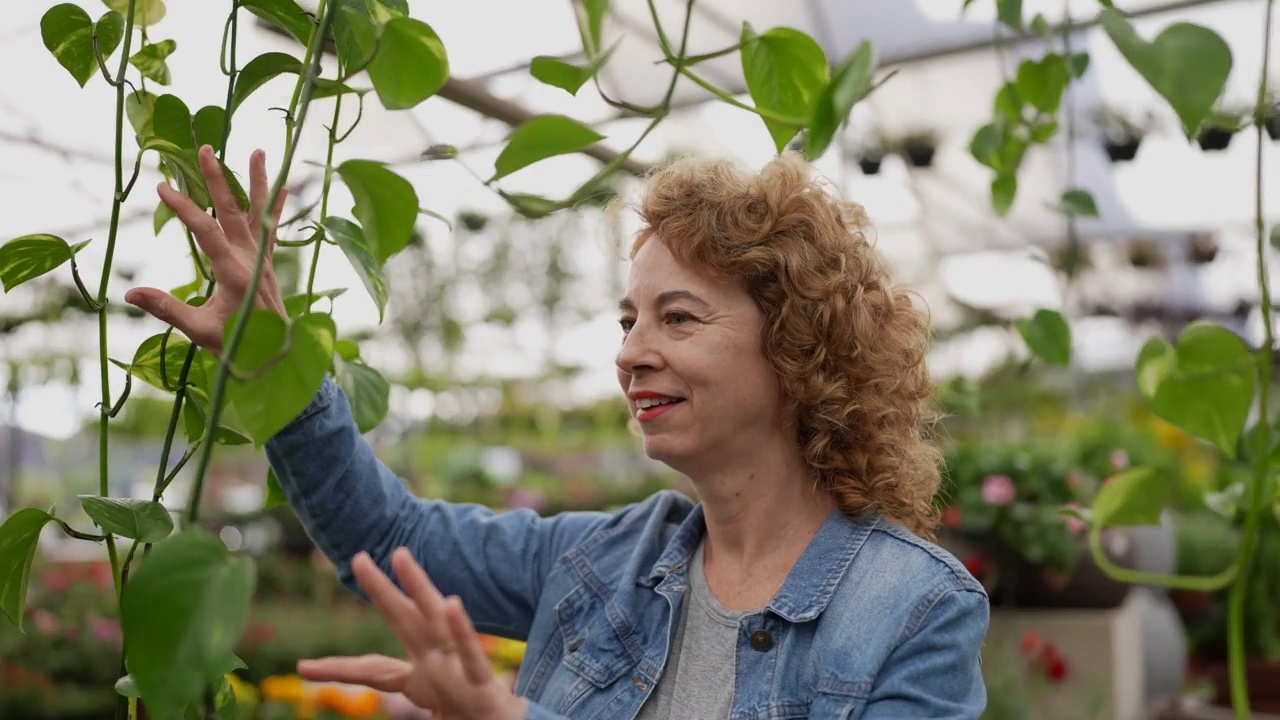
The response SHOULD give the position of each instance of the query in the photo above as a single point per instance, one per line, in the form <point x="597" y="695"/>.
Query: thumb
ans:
<point x="171" y="310"/>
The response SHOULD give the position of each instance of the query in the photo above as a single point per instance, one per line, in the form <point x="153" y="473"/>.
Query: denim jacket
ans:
<point x="872" y="622"/>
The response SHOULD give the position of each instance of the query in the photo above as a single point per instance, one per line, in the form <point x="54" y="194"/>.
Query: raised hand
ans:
<point x="447" y="671"/>
<point x="231" y="242"/>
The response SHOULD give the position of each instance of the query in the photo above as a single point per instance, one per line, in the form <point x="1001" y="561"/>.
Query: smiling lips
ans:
<point x="650" y="406"/>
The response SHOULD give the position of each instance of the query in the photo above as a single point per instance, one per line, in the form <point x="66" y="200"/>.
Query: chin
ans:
<point x="667" y="451"/>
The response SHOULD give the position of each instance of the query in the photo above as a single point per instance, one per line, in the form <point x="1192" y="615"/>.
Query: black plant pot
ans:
<point x="1273" y="125"/>
<point x="1123" y="150"/>
<point x="920" y="156"/>
<point x="871" y="164"/>
<point x="1215" y="138"/>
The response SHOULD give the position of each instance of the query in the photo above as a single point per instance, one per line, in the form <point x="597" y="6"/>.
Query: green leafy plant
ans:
<point x="183" y="599"/>
<point x="1207" y="382"/>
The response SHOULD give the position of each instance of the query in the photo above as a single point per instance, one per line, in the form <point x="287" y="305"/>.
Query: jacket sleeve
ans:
<point x="936" y="672"/>
<point x="348" y="501"/>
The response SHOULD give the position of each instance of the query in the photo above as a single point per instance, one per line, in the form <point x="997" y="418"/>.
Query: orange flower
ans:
<point x="354" y="703"/>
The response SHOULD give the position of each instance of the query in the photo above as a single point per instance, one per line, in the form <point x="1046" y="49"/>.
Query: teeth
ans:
<point x="645" y="403"/>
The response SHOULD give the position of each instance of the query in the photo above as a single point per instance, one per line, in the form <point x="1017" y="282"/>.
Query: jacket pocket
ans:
<point x="838" y="699"/>
<point x="592" y="648"/>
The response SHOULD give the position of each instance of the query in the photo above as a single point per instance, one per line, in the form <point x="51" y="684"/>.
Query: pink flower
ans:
<point x="45" y="621"/>
<point x="1075" y="525"/>
<point x="998" y="490"/>
<point x="1119" y="460"/>
<point x="107" y="631"/>
<point x="1075" y="479"/>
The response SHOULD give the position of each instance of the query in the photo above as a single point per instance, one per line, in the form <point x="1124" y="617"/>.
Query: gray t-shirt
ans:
<point x="697" y="682"/>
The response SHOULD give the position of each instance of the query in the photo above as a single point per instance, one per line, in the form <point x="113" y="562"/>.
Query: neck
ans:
<point x="761" y="512"/>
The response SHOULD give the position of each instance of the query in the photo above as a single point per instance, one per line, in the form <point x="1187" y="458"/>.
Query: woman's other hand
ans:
<point x="447" y="671"/>
<point x="231" y="242"/>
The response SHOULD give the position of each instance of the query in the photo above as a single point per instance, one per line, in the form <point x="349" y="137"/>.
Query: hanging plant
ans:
<point x="1222" y="125"/>
<point x="918" y="147"/>
<point x="1271" y="118"/>
<point x="1122" y="131"/>
<point x="868" y="151"/>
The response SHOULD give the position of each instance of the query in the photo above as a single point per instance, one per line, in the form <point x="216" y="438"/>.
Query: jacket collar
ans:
<point x="813" y="579"/>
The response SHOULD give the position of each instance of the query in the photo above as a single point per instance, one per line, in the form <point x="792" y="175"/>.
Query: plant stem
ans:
<point x="1238" y="595"/>
<point x="324" y="196"/>
<point x="307" y="80"/>
<point x="117" y="199"/>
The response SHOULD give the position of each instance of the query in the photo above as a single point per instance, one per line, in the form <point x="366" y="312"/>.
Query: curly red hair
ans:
<point x="848" y="346"/>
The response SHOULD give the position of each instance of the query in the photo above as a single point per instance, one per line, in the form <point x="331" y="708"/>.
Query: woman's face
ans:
<point x="692" y="365"/>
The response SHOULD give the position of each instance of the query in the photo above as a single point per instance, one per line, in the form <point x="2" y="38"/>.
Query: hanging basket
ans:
<point x="1122" y="150"/>
<point x="1272" y="124"/>
<point x="920" y="156"/>
<point x="870" y="164"/>
<point x="1215" y="139"/>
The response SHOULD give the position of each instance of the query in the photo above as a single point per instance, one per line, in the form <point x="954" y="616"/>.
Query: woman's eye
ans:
<point x="678" y="318"/>
<point x="626" y="325"/>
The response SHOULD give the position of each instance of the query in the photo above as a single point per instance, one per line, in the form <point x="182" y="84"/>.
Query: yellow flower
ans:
<point x="356" y="703"/>
<point x="284" y="688"/>
<point x="245" y="693"/>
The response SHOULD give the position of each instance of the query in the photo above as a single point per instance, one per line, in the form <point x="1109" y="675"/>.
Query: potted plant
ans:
<point x="1122" y="131"/>
<point x="869" y="151"/>
<point x="918" y="147"/>
<point x="1222" y="125"/>
<point x="1271" y="117"/>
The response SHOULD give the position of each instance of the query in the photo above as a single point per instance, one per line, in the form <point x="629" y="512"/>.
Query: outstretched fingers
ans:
<point x="475" y="664"/>
<point x="208" y="233"/>
<point x="231" y="217"/>
<point x="197" y="326"/>
<point x="376" y="671"/>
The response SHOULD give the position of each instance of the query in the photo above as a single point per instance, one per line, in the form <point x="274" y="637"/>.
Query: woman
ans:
<point x="765" y="356"/>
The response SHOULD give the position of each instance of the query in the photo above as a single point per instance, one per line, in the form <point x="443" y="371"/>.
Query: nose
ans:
<point x="639" y="352"/>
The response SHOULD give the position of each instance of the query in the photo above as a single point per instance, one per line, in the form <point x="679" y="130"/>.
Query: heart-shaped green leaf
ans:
<point x="184" y="165"/>
<point x="851" y="83"/>
<point x="139" y="106"/>
<point x="367" y="391"/>
<point x="1047" y="335"/>
<point x="30" y="256"/>
<point x="570" y="78"/>
<point x="265" y="67"/>
<point x="67" y="32"/>
<point x="1204" y="385"/>
<point x="1041" y="82"/>
<point x="541" y="137"/>
<point x="150" y="60"/>
<point x="532" y="206"/>
<point x="1079" y="202"/>
<point x="266" y="404"/>
<point x="386" y="206"/>
<point x="593" y="27"/>
<point x="207" y="125"/>
<point x="350" y="237"/>
<point x="18" y="538"/>
<point x="1187" y="64"/>
<point x="195" y="418"/>
<point x="347" y="349"/>
<point x="284" y="14"/>
<point x="1136" y="496"/>
<point x="1009" y="12"/>
<point x="171" y="120"/>
<point x="408" y="43"/>
<point x="1078" y="63"/>
<point x="785" y="72"/>
<point x="355" y="34"/>
<point x="136" y="519"/>
<point x="145" y="12"/>
<point x="295" y="305"/>
<point x="183" y="614"/>
<point x="275" y="493"/>
<point x="162" y="372"/>
<point x="1004" y="188"/>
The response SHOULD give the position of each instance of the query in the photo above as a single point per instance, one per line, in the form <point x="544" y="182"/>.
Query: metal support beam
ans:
<point x="473" y="95"/>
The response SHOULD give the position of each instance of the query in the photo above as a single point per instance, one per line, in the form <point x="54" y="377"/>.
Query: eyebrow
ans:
<point x="665" y="298"/>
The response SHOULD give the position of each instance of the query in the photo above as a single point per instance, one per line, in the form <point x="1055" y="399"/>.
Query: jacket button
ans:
<point x="761" y="640"/>
<point x="573" y="646"/>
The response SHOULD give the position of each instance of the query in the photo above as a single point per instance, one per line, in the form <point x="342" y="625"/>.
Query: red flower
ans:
<point x="976" y="564"/>
<point x="1056" y="670"/>
<point x="951" y="517"/>
<point x="1032" y="642"/>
